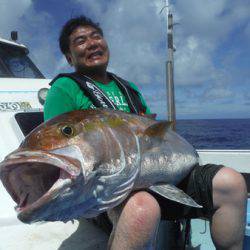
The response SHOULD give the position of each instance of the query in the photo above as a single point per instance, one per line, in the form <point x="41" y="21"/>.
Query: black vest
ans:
<point x="100" y="99"/>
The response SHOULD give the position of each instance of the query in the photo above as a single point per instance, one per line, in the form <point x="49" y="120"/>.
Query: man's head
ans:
<point x="82" y="42"/>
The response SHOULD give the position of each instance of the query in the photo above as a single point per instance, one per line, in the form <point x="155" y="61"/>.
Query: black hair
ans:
<point x="70" y="26"/>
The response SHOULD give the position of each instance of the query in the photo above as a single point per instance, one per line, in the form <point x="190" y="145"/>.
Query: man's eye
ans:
<point x="97" y="36"/>
<point x="80" y="41"/>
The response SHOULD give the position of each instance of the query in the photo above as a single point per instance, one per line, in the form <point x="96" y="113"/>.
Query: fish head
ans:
<point x="57" y="173"/>
<point x="71" y="135"/>
<point x="53" y="164"/>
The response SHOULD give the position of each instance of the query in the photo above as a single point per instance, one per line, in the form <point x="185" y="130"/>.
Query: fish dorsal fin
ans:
<point x="150" y="116"/>
<point x="173" y="193"/>
<point x="158" y="129"/>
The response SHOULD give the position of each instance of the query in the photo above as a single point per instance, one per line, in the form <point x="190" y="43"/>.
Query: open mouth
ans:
<point x="35" y="179"/>
<point x="95" y="55"/>
<point x="30" y="182"/>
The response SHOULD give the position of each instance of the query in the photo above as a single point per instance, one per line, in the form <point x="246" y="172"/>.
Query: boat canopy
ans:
<point x="15" y="63"/>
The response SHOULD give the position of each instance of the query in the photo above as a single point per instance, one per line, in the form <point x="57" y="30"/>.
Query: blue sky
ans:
<point x="212" y="58"/>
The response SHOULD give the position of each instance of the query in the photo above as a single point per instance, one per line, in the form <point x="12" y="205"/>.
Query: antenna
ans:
<point x="14" y="35"/>
<point x="167" y="6"/>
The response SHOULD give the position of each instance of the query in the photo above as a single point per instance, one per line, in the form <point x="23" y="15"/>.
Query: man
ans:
<point x="220" y="190"/>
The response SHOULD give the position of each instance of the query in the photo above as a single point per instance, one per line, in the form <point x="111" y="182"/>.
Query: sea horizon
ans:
<point x="194" y="119"/>
<point x="215" y="133"/>
<point x="160" y="117"/>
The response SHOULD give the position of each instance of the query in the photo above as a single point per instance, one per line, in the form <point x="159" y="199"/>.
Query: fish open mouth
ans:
<point x="34" y="178"/>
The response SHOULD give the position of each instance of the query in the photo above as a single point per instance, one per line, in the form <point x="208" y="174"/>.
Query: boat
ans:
<point x="22" y="93"/>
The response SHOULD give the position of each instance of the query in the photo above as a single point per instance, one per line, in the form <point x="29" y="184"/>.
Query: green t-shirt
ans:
<point x="65" y="95"/>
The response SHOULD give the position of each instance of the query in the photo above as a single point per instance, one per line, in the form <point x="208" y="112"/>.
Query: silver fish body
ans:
<point x="83" y="163"/>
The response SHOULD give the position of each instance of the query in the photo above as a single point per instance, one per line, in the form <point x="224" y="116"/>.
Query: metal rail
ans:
<point x="170" y="68"/>
<point x="170" y="72"/>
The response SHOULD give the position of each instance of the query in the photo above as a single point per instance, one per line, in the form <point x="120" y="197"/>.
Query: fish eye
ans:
<point x="67" y="130"/>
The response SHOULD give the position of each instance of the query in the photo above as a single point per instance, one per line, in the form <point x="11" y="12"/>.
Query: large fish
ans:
<point x="82" y="163"/>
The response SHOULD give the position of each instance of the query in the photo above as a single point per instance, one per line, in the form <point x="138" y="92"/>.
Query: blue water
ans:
<point x="216" y="133"/>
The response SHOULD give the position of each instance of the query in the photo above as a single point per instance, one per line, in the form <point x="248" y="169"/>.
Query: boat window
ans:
<point x="3" y="72"/>
<point x="27" y="121"/>
<point x="18" y="64"/>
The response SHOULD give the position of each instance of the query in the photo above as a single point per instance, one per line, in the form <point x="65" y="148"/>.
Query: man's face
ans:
<point x="88" y="50"/>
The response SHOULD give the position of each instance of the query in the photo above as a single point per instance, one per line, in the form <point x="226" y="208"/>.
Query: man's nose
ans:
<point x="92" y="43"/>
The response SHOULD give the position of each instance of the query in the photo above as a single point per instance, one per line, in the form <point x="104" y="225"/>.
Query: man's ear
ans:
<point x="69" y="59"/>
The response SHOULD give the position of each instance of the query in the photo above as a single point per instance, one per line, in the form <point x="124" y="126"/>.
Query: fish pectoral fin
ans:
<point x="158" y="129"/>
<point x="173" y="193"/>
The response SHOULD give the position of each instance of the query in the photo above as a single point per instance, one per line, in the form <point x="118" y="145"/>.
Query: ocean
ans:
<point x="216" y="133"/>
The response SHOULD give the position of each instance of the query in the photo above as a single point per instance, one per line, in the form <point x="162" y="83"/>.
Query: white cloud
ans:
<point x="247" y="31"/>
<point x="247" y="96"/>
<point x="211" y="19"/>
<point x="204" y="25"/>
<point x="11" y="12"/>
<point x="218" y="93"/>
<point x="193" y="62"/>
